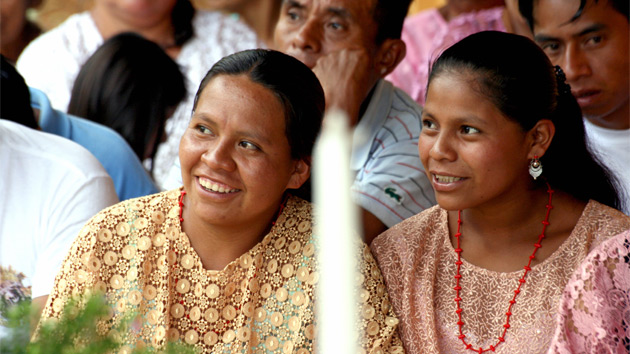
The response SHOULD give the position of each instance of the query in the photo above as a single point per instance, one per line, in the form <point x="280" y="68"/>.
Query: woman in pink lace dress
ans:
<point x="521" y="203"/>
<point x="595" y="308"/>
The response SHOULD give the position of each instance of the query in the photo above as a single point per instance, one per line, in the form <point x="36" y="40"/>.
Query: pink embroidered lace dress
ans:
<point x="595" y="308"/>
<point x="418" y="263"/>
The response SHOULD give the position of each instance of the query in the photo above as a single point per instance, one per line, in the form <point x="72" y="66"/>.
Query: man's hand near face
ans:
<point x="345" y="78"/>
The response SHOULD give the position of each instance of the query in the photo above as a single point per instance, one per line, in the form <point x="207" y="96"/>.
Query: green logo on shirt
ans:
<point x="391" y="192"/>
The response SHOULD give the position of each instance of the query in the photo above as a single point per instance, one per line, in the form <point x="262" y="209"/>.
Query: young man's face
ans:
<point x="593" y="52"/>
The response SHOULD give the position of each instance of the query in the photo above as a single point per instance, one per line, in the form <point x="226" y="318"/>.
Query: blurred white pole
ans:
<point x="336" y="226"/>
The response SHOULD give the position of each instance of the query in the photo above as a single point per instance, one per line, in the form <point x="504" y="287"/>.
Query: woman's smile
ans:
<point x="216" y="187"/>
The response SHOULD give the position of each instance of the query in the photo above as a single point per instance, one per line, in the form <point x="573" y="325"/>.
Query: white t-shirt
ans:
<point x="52" y="61"/>
<point x="612" y="146"/>
<point x="50" y="188"/>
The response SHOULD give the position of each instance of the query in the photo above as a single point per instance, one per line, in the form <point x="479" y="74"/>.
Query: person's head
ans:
<point x="590" y="40"/>
<point x="131" y="85"/>
<point x="137" y="15"/>
<point x="494" y="103"/>
<point x="15" y="29"/>
<point x="310" y="29"/>
<point x="15" y="97"/>
<point x="255" y="119"/>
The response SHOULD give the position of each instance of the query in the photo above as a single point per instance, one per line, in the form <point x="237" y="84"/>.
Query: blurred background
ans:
<point x="52" y="12"/>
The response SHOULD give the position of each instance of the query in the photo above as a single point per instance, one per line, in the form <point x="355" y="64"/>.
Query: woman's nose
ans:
<point x="442" y="148"/>
<point x="219" y="157"/>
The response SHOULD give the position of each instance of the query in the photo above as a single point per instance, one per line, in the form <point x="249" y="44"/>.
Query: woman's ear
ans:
<point x="390" y="53"/>
<point x="301" y="173"/>
<point x="541" y="136"/>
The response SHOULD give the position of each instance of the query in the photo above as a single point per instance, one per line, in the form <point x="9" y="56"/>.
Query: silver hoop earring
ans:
<point x="535" y="168"/>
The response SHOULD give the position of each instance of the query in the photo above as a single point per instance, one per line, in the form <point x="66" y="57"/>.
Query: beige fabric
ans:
<point x="137" y="254"/>
<point x="418" y="264"/>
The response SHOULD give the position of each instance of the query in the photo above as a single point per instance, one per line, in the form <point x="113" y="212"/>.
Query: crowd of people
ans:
<point x="160" y="154"/>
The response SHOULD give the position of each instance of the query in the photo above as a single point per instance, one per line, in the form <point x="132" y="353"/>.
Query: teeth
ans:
<point x="214" y="187"/>
<point x="447" y="179"/>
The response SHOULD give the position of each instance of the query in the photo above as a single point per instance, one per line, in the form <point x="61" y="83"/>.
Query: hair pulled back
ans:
<point x="293" y="83"/>
<point x="296" y="87"/>
<point x="516" y="75"/>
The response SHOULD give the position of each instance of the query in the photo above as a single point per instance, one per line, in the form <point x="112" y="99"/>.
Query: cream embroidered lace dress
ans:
<point x="418" y="263"/>
<point x="262" y="302"/>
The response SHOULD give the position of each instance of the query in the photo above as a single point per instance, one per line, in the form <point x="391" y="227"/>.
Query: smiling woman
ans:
<point x="227" y="262"/>
<point x="502" y="143"/>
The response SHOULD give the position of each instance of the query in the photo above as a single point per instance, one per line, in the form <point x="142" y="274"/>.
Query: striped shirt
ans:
<point x="390" y="181"/>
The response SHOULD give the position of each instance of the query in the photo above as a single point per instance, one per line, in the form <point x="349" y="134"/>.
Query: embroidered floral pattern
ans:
<point x="595" y="308"/>
<point x="261" y="302"/>
<point x="417" y="258"/>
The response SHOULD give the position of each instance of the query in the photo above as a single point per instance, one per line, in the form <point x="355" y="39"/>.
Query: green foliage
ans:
<point x="17" y="321"/>
<point x="75" y="333"/>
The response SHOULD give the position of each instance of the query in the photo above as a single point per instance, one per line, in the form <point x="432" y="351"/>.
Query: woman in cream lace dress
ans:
<point x="227" y="262"/>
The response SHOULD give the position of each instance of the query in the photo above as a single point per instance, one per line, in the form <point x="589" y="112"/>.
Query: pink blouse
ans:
<point x="595" y="308"/>
<point x="417" y="260"/>
<point x="427" y="34"/>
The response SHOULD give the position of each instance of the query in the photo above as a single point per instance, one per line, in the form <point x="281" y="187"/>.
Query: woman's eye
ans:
<point x="203" y="130"/>
<point x="293" y="15"/>
<point x="248" y="145"/>
<point x="428" y="124"/>
<point x="336" y="26"/>
<point x="469" y="130"/>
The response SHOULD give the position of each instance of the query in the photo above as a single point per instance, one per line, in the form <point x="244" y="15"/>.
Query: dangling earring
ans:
<point x="535" y="167"/>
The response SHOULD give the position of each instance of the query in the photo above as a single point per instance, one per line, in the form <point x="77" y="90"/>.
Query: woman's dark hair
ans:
<point x="182" y="17"/>
<point x="516" y="75"/>
<point x="15" y="97"/>
<point x="293" y="83"/>
<point x="130" y="85"/>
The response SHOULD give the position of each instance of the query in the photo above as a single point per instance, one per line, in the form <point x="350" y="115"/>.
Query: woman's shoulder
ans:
<point x="52" y="60"/>
<point x="411" y="234"/>
<point x="416" y="226"/>
<point x="587" y="302"/>
<point x="297" y="214"/>
<point x="155" y="208"/>
<point x="77" y="34"/>
<point x="600" y="222"/>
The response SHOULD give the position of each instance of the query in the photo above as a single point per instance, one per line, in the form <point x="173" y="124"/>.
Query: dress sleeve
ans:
<point x="595" y="308"/>
<point x="378" y="321"/>
<point x="81" y="268"/>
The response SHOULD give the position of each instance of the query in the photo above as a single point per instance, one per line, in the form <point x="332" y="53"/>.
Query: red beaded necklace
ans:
<point x="181" y="206"/>
<point x="521" y="281"/>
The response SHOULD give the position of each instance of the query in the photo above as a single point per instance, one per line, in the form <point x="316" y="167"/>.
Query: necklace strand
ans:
<point x="181" y="206"/>
<point x="521" y="281"/>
